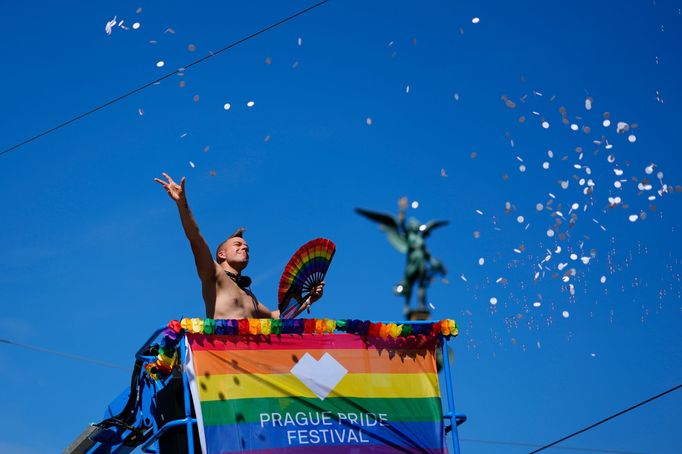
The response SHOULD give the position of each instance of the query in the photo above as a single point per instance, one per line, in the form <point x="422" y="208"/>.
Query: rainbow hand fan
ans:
<point x="305" y="271"/>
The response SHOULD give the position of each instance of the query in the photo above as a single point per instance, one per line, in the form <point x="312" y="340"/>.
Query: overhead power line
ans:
<point x="609" y="418"/>
<point x="530" y="445"/>
<point x="84" y="359"/>
<point x="155" y="81"/>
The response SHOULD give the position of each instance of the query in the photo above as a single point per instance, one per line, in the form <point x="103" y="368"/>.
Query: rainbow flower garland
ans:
<point x="403" y="334"/>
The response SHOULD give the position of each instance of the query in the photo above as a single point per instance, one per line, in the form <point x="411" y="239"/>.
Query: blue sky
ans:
<point x="94" y="258"/>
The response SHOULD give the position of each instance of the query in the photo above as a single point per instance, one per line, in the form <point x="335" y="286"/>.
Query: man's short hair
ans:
<point x="239" y="233"/>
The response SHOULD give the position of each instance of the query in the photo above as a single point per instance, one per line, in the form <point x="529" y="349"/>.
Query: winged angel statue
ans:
<point x="409" y="238"/>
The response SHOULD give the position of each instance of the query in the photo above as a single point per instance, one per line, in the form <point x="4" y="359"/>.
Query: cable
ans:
<point x="132" y="92"/>
<point x="65" y="355"/>
<point x="609" y="418"/>
<point x="529" y="445"/>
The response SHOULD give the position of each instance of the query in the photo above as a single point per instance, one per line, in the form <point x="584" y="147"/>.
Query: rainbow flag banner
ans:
<point x="296" y="393"/>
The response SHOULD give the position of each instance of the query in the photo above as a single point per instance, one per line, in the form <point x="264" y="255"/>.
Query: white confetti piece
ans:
<point x="632" y="138"/>
<point x="565" y="314"/>
<point x="481" y="261"/>
<point x="475" y="20"/>
<point x="191" y="164"/>
<point x="300" y="41"/>
<point x="633" y="217"/>
<point x="227" y="106"/>
<point x="545" y="125"/>
<point x="250" y="104"/>
<point x="588" y="103"/>
<point x="463" y="277"/>
<point x="493" y="300"/>
<point x="110" y="24"/>
<point x="160" y="64"/>
<point x="368" y="121"/>
<point x="415" y="205"/>
<point x="136" y="26"/>
<point x="550" y="233"/>
<point x="574" y="127"/>
<point x="140" y="111"/>
<point x="545" y="165"/>
<point x="606" y="123"/>
<point x="537" y="304"/>
<point x="603" y="280"/>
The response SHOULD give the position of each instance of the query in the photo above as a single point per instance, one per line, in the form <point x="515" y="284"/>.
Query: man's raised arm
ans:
<point x="202" y="254"/>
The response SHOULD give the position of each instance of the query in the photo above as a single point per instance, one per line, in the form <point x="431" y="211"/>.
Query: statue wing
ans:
<point x="389" y="225"/>
<point x="432" y="225"/>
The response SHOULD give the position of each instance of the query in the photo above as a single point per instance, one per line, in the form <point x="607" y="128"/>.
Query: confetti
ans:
<point x="227" y="106"/>
<point x="140" y="111"/>
<point x="195" y="98"/>
<point x="520" y="219"/>
<point x="415" y="205"/>
<point x="250" y="104"/>
<point x="493" y="300"/>
<point x="160" y="64"/>
<point x="632" y="138"/>
<point x="633" y="217"/>
<point x="443" y="173"/>
<point x="136" y="26"/>
<point x="300" y="41"/>
<point x="537" y="304"/>
<point x="368" y="121"/>
<point x="481" y="261"/>
<point x="545" y="124"/>
<point x="565" y="314"/>
<point x="603" y="280"/>
<point x="191" y="164"/>
<point x="475" y="20"/>
<point x="606" y="123"/>
<point x="588" y="103"/>
<point x="109" y="25"/>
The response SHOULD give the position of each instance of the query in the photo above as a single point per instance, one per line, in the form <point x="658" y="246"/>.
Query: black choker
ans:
<point x="243" y="282"/>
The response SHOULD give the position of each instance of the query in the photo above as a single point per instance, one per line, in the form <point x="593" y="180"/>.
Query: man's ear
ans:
<point x="221" y="255"/>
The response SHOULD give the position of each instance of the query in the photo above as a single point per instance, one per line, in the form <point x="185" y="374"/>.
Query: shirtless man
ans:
<point x="225" y="291"/>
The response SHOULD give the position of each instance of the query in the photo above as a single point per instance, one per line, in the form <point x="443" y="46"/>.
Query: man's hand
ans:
<point x="315" y="295"/>
<point x="174" y="190"/>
